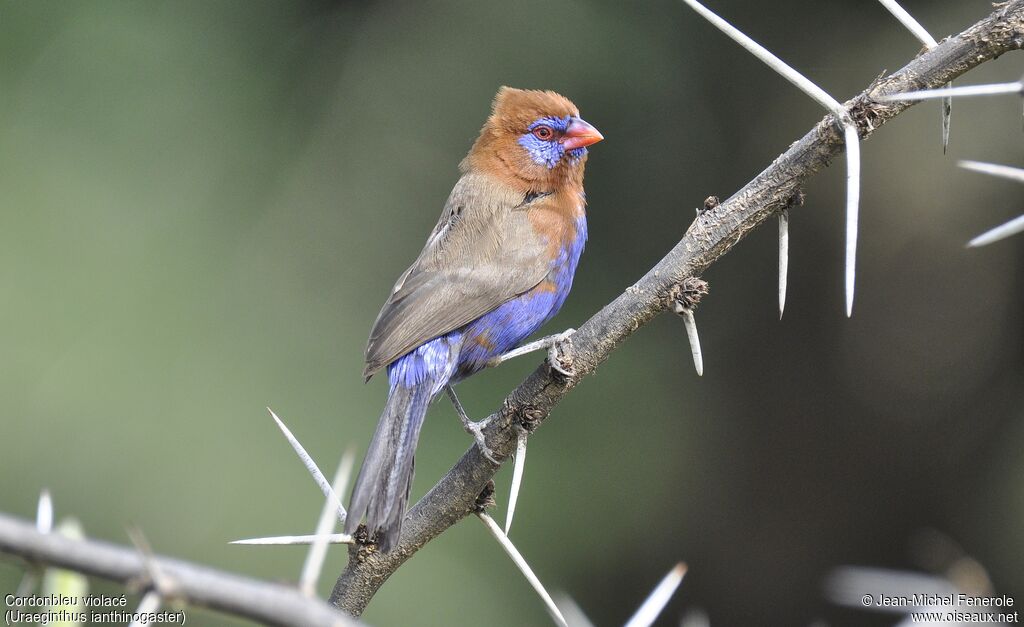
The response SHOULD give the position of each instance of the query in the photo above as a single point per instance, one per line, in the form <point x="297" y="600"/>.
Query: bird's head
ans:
<point x="534" y="139"/>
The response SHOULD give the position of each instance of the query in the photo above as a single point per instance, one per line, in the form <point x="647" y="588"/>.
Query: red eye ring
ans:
<point x="543" y="133"/>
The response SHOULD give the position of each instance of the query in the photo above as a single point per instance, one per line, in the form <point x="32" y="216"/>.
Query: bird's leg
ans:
<point x="557" y="356"/>
<point x="475" y="429"/>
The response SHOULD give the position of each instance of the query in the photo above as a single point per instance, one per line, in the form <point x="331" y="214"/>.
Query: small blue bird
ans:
<point x="498" y="265"/>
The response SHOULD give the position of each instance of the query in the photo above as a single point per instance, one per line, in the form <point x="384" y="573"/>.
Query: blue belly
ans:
<point x="501" y="330"/>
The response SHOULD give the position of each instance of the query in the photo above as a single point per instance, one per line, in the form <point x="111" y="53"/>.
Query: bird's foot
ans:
<point x="559" y="347"/>
<point x="475" y="429"/>
<point x="560" y="353"/>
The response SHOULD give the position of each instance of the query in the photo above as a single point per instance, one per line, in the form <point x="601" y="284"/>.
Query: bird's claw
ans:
<point x="476" y="429"/>
<point x="560" y="354"/>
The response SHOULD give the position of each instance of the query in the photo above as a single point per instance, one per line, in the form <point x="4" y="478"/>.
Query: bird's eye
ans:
<point x="543" y="133"/>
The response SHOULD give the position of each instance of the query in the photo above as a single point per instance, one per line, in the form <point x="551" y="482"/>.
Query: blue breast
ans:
<point x="467" y="350"/>
<point x="506" y="327"/>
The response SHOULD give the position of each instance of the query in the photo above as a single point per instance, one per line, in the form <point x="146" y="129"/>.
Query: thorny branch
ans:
<point x="267" y="603"/>
<point x="711" y="235"/>
<point x="456" y="496"/>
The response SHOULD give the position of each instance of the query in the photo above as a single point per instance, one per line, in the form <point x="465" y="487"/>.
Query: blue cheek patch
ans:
<point x="577" y="153"/>
<point x="543" y="153"/>
<point x="548" y="153"/>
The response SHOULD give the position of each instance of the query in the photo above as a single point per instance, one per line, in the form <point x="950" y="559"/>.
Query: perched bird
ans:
<point x="498" y="265"/>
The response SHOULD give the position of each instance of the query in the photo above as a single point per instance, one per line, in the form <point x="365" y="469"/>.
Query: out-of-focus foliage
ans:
<point x="202" y="206"/>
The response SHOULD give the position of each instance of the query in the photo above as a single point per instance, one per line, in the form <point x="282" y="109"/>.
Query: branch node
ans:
<point x="709" y="203"/>
<point x="686" y="296"/>
<point x="530" y="418"/>
<point x="867" y="115"/>
<point x="362" y="545"/>
<point x="485" y="499"/>
<point x="796" y="200"/>
<point x="152" y="578"/>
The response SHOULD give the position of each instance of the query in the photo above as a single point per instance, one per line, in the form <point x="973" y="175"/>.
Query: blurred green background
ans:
<point x="203" y="205"/>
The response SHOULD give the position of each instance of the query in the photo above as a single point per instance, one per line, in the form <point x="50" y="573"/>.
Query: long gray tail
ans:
<point x="381" y="491"/>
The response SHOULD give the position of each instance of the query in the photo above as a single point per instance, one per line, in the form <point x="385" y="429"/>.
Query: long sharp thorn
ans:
<point x="947" y="111"/>
<point x="783" y="259"/>
<point x="852" y="209"/>
<point x="695" y="617"/>
<point x="150" y="603"/>
<point x="925" y="38"/>
<point x="332" y="538"/>
<point x="28" y="583"/>
<point x="572" y="611"/>
<point x="691" y="335"/>
<point x="154" y="572"/>
<point x="44" y="513"/>
<point x="908" y="20"/>
<point x="1000" y="232"/>
<point x="769" y="59"/>
<point x="517" y="558"/>
<point x="658" y="599"/>
<point x="311" y="466"/>
<point x="1009" y="228"/>
<point x="314" y="563"/>
<point x="825" y="100"/>
<point x="994" y="169"/>
<point x="517" y="478"/>
<point x="44" y="524"/>
<point x="995" y="89"/>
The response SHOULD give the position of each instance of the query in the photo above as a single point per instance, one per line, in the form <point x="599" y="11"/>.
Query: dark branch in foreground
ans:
<point x="267" y="603"/>
<point x="710" y="236"/>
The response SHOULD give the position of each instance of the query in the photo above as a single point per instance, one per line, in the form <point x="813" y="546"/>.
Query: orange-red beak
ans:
<point x="580" y="134"/>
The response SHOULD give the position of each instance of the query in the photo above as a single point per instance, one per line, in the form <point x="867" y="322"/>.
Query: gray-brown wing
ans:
<point x="482" y="253"/>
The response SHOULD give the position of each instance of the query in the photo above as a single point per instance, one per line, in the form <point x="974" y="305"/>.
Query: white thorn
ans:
<point x="846" y="585"/>
<point x="994" y="169"/>
<point x="908" y="20"/>
<point x="783" y="259"/>
<point x="314" y="563"/>
<point x="691" y="334"/>
<point x="572" y="611"/>
<point x="44" y="524"/>
<point x="964" y="90"/>
<point x="1002" y="231"/>
<point x="695" y="617"/>
<point x="311" y="466"/>
<point x="160" y="581"/>
<point x="517" y="478"/>
<point x="658" y="599"/>
<point x="769" y="59"/>
<point x="44" y="513"/>
<point x="825" y="100"/>
<point x="332" y="538"/>
<point x="28" y="583"/>
<point x="150" y="603"/>
<point x="947" y="112"/>
<point x="852" y="209"/>
<point x="1009" y="228"/>
<point x="517" y="557"/>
